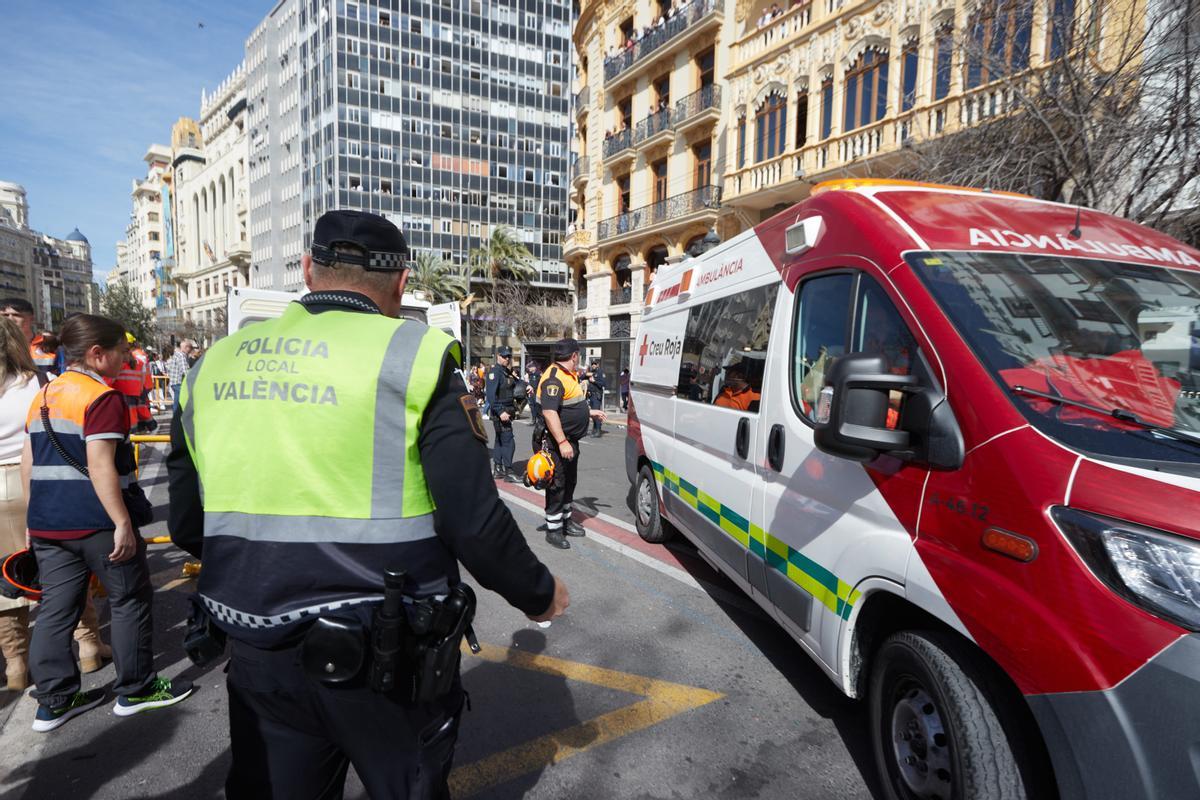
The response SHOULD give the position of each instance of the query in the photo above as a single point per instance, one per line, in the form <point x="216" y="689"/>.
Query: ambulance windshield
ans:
<point x="1101" y="355"/>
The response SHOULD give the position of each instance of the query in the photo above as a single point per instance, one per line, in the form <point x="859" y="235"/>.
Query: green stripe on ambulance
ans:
<point x="832" y="592"/>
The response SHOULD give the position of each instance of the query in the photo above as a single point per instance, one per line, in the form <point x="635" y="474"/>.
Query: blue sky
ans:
<point x="88" y="86"/>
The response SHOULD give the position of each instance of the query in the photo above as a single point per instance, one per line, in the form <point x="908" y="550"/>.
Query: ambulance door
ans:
<point x="825" y="525"/>
<point x="708" y="481"/>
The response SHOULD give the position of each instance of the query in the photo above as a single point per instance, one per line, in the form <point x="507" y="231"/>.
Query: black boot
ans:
<point x="555" y="539"/>
<point x="573" y="528"/>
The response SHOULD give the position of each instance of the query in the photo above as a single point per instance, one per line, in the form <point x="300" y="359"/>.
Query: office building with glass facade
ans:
<point x="449" y="117"/>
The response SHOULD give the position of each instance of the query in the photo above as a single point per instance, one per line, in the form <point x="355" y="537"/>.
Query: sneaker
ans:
<point x="47" y="719"/>
<point x="573" y="528"/>
<point x="160" y="694"/>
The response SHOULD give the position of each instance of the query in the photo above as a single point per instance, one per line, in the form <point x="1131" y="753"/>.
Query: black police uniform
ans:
<point x="573" y="417"/>
<point x="293" y="736"/>
<point x="499" y="395"/>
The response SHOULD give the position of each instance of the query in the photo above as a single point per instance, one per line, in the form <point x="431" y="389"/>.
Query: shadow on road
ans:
<point x="848" y="716"/>
<point x="490" y="763"/>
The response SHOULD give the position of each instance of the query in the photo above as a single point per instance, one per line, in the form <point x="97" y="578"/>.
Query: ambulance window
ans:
<point x="725" y="349"/>
<point x="822" y="319"/>
<point x="879" y="329"/>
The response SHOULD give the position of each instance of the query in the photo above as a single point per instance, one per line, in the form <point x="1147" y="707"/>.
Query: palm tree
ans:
<point x="437" y="279"/>
<point x="503" y="255"/>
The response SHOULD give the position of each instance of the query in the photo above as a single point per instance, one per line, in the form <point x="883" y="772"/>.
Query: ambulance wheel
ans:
<point x="934" y="728"/>
<point x="650" y="524"/>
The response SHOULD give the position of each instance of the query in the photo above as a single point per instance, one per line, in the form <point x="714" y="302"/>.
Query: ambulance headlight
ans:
<point x="1153" y="569"/>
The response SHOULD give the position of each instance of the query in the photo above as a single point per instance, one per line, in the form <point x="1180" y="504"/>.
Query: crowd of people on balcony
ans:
<point x="622" y="126"/>
<point x="678" y="7"/>
<point x="769" y="15"/>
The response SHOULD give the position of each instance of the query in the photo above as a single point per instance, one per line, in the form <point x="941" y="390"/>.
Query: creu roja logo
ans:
<point x="667" y="347"/>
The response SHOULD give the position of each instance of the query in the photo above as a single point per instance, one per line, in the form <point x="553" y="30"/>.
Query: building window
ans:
<point x="476" y="229"/>
<point x="801" y="119"/>
<point x="659" y="170"/>
<point x="703" y="155"/>
<point x="826" y="108"/>
<point x="1060" y="27"/>
<point x="706" y="65"/>
<point x="352" y="80"/>
<point x="741" y="142"/>
<point x="414" y="26"/>
<point x="909" y="79"/>
<point x="998" y="40"/>
<point x="623" y="193"/>
<point x="944" y="45"/>
<point x="385" y="19"/>
<point x="866" y="90"/>
<point x="770" y="127"/>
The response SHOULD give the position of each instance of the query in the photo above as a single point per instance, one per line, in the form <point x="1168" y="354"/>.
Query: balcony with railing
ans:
<point x="700" y="15"/>
<point x="654" y="129"/>
<point x="580" y="170"/>
<point x="685" y="206"/>
<point x="580" y="300"/>
<point x="619" y="146"/>
<point x="620" y="297"/>
<point x="620" y="328"/>
<point x="772" y="36"/>
<point x="581" y="100"/>
<point x="698" y="107"/>
<point x="577" y="242"/>
<point x="775" y="180"/>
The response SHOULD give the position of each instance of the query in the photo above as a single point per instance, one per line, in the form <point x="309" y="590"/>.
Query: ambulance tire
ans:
<point x="929" y="687"/>
<point x="649" y="523"/>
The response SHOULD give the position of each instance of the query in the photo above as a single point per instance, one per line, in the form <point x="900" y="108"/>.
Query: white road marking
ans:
<point x="623" y="549"/>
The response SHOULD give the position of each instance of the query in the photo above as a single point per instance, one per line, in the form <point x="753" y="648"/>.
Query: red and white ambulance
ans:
<point x="950" y="441"/>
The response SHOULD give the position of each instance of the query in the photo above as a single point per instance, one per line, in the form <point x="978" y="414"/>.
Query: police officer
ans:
<point x="595" y="379"/>
<point x="565" y="408"/>
<point x="332" y="443"/>
<point x="499" y="392"/>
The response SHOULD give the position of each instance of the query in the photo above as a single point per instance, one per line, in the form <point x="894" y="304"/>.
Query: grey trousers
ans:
<point x="64" y="567"/>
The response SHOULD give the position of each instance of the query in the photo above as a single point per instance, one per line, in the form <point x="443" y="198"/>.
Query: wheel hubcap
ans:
<point x="645" y="503"/>
<point x="921" y="745"/>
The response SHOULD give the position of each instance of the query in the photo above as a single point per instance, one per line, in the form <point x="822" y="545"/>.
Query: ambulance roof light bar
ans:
<point x="848" y="184"/>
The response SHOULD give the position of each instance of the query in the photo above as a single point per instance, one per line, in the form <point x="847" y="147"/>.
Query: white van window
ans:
<point x="880" y="330"/>
<point x="725" y="350"/>
<point x="822" y="320"/>
<point x="823" y="324"/>
<point x="1101" y="355"/>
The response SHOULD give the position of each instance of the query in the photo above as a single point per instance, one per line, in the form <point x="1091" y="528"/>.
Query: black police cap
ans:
<point x="381" y="245"/>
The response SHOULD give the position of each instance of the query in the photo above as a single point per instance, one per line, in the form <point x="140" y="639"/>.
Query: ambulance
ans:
<point x="950" y="441"/>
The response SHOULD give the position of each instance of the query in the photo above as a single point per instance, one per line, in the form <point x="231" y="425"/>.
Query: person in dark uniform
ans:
<point x="533" y="376"/>
<point x="566" y="411"/>
<point x="595" y="394"/>
<point x="501" y="385"/>
<point x="366" y="455"/>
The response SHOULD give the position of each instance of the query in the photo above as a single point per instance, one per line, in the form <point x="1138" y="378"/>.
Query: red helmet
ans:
<point x="19" y="576"/>
<point x="539" y="470"/>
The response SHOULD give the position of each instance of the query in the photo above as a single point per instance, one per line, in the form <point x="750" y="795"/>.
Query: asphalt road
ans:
<point x="662" y="681"/>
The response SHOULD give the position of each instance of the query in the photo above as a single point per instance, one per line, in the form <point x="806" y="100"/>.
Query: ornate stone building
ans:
<point x="731" y="110"/>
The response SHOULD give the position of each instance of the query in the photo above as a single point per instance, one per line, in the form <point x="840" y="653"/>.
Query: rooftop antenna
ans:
<point x="1075" y="232"/>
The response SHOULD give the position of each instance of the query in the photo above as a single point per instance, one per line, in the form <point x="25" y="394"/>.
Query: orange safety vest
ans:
<point x="132" y="384"/>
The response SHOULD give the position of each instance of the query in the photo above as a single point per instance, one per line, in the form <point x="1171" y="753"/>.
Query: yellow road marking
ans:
<point x="663" y="700"/>
<point x="169" y="585"/>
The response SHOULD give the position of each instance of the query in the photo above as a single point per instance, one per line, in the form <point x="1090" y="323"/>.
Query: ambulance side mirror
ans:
<point x="852" y="410"/>
<point x="851" y="419"/>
